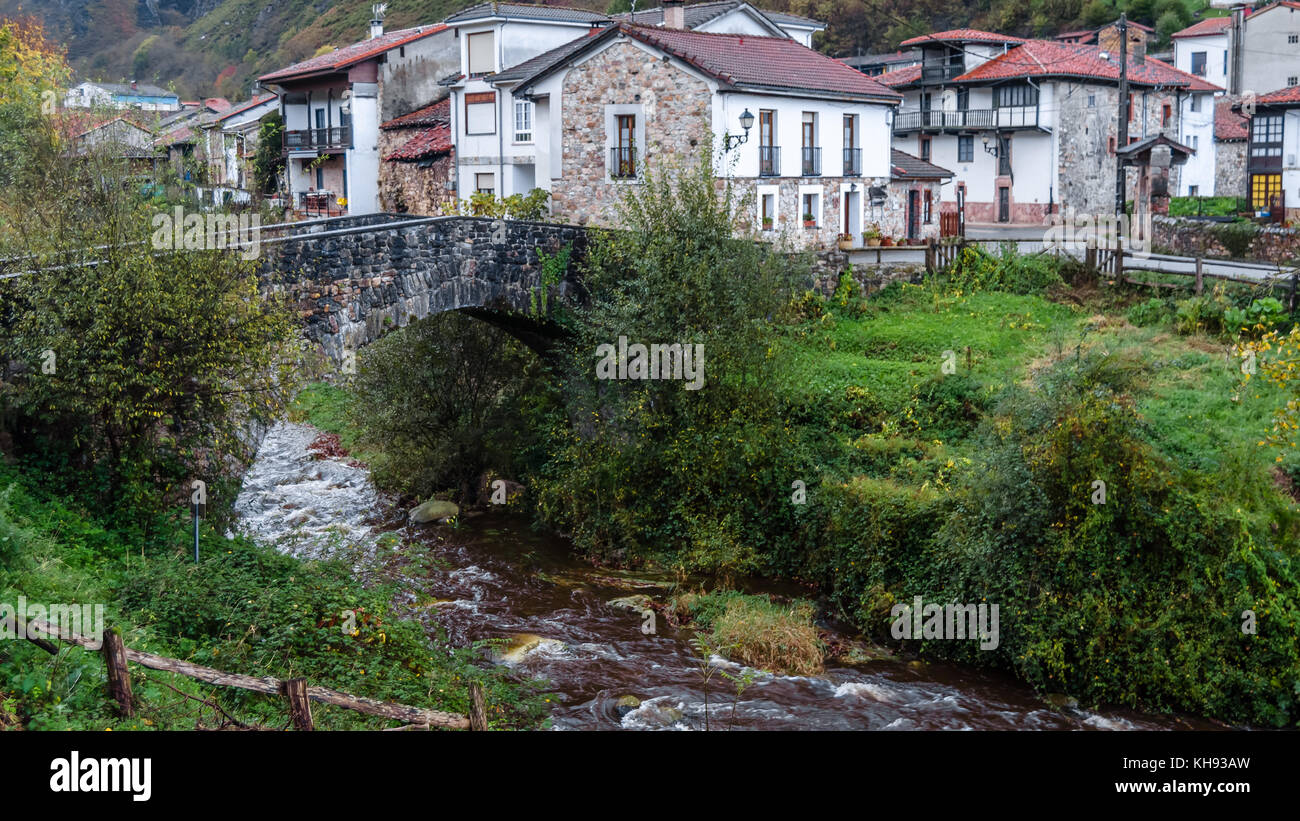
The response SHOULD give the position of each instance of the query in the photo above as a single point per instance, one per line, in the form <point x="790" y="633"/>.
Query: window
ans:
<point x="925" y="148"/>
<point x="1292" y="80"/>
<point x="1263" y="189"/>
<point x="320" y="178"/>
<point x="1198" y="63"/>
<point x="320" y="118"/>
<point x="811" y="209"/>
<point x="485" y="183"/>
<point x="1166" y="114"/>
<point x="482" y="59"/>
<point x="1225" y="62"/>
<point x="1266" y="136"/>
<point x="1293" y="38"/>
<point x="812" y="164"/>
<point x="1194" y="142"/>
<point x="1019" y="94"/>
<point x="767" y="211"/>
<point x="852" y="154"/>
<point x="481" y="113"/>
<point x="523" y="121"/>
<point x="1196" y="102"/>
<point x="965" y="148"/>
<point x="963" y="99"/>
<point x="622" y="164"/>
<point x="1193" y="190"/>
<point x="1004" y="156"/>
<point x="769" y="155"/>
<point x="1092" y="101"/>
<point x="928" y="207"/>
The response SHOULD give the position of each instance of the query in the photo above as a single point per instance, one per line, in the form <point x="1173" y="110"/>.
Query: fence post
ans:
<point x="119" y="678"/>
<point x="477" y="708"/>
<point x="1200" y="275"/>
<point x="929" y="256"/>
<point x="295" y="692"/>
<point x="1090" y="257"/>
<point x="1119" y="258"/>
<point x="1293" y="279"/>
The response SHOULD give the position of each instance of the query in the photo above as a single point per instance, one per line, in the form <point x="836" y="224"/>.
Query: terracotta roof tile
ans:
<point x="1203" y="28"/>
<point x="1050" y="58"/>
<point x="961" y="35"/>
<point x="1229" y="124"/>
<point x="431" y="114"/>
<point x="904" y="166"/>
<point x="342" y="58"/>
<point x="1284" y="96"/>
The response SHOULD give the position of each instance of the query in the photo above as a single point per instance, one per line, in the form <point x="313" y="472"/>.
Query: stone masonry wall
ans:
<point x="1196" y="238"/>
<point x="1230" y="168"/>
<point x="412" y="188"/>
<point x="352" y="286"/>
<point x="674" y="109"/>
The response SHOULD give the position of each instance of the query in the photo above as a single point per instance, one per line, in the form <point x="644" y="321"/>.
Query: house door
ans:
<point x="1004" y="204"/>
<point x="913" y="214"/>
<point x="853" y="213"/>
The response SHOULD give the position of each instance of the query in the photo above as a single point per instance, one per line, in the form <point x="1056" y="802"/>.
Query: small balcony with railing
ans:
<point x="622" y="162"/>
<point x="811" y="165"/>
<point x="974" y="119"/>
<point x="769" y="161"/>
<point x="853" y="162"/>
<point x="319" y="139"/>
<point x="933" y="73"/>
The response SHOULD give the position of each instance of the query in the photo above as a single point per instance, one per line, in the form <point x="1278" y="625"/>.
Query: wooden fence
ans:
<point x="296" y="692"/>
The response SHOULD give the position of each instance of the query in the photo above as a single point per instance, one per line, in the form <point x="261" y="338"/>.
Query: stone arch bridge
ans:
<point x="353" y="279"/>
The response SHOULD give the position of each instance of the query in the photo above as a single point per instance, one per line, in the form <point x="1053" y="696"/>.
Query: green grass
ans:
<point x="244" y="609"/>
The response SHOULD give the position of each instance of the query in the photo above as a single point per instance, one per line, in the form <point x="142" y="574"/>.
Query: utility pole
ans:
<point x="1121" y="138"/>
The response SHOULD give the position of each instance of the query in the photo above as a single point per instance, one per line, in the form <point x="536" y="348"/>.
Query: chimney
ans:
<point x="377" y="19"/>
<point x="1137" y="45"/>
<point x="674" y="14"/>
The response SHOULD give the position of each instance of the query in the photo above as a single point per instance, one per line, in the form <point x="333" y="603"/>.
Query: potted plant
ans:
<point x="809" y="221"/>
<point x="887" y="241"/>
<point x="845" y="242"/>
<point x="871" y="236"/>
<point x="767" y="223"/>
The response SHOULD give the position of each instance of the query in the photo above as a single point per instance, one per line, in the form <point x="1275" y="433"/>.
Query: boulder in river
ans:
<point x="434" y="510"/>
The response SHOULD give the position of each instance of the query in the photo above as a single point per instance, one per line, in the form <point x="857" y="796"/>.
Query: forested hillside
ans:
<point x="207" y="47"/>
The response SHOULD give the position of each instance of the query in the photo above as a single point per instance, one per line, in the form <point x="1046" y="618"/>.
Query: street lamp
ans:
<point x="990" y="149"/>
<point x="746" y="122"/>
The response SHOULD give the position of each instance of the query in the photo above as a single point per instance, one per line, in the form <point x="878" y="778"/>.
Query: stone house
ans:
<point x="415" y="176"/>
<point x="1029" y="126"/>
<point x="913" y="209"/>
<point x="500" y="146"/>
<point x="803" y="137"/>
<point x="1230" y="132"/>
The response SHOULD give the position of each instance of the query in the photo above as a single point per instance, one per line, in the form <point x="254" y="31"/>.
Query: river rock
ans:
<point x="1061" y="701"/>
<point x="638" y="602"/>
<point x="626" y="704"/>
<point x="434" y="510"/>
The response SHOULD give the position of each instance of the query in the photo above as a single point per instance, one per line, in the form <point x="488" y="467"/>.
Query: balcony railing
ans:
<point x="852" y="162"/>
<point x="812" y="161"/>
<point x="769" y="161"/>
<point x="339" y="136"/>
<point x="975" y="118"/>
<point x="622" y="162"/>
<point x="941" y="74"/>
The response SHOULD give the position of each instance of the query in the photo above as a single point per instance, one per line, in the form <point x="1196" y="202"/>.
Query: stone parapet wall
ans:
<point x="1201" y="238"/>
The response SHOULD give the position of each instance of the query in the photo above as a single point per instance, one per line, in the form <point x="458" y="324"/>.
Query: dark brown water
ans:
<point x="493" y="578"/>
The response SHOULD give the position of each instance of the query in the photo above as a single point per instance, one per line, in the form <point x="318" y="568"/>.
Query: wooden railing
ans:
<point x="296" y="691"/>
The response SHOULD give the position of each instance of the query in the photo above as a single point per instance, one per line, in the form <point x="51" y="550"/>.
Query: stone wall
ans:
<point x="674" y="108"/>
<point x="414" y="187"/>
<point x="352" y="286"/>
<point x="1196" y="238"/>
<point x="1230" y="168"/>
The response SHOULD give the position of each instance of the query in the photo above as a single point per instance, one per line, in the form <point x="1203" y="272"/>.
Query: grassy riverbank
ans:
<point x="244" y="608"/>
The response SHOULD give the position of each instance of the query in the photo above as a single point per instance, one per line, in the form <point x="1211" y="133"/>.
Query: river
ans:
<point x="494" y="578"/>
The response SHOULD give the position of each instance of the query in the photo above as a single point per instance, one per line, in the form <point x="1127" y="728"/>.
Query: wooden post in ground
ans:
<point x="1090" y="257"/>
<point x="294" y="691"/>
<point x="1119" y="258"/>
<point x="929" y="256"/>
<point x="1293" y="279"/>
<point x="1200" y="275"/>
<point x="477" y="708"/>
<point x="119" y="678"/>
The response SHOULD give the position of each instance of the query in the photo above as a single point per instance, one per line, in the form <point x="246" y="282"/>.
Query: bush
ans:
<point x="1154" y="311"/>
<point x="756" y="631"/>
<point x="1235" y="237"/>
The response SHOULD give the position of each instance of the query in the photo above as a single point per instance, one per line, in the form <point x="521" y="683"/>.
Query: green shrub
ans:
<point x="1154" y="311"/>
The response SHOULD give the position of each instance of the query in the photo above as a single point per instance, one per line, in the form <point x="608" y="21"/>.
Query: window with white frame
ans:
<point x="485" y="183"/>
<point x="811" y="209"/>
<point x="768" y="199"/>
<point x="523" y="121"/>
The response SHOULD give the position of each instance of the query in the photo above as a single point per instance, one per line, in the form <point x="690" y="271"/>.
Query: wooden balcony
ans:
<point x="319" y="139"/>
<point x="975" y="119"/>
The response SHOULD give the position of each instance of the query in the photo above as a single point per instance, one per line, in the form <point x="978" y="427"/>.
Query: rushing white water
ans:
<point x="306" y="506"/>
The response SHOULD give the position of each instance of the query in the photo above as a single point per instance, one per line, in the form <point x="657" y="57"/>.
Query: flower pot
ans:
<point x="810" y="223"/>
<point x="846" y="245"/>
<point x="873" y="242"/>
<point x="887" y="241"/>
<point x="767" y="225"/>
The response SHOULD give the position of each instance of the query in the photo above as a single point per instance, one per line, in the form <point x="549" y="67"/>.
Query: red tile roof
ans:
<point x="1050" y="58"/>
<point x="762" y="62"/>
<point x="351" y="55"/>
<point x="431" y="114"/>
<point x="242" y="107"/>
<point x="1283" y="96"/>
<point x="960" y="35"/>
<point x="1229" y="124"/>
<point x="430" y="129"/>
<point x="1203" y="28"/>
<point x="899" y="76"/>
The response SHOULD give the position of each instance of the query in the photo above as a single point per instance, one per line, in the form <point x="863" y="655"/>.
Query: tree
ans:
<point x="268" y="161"/>
<point x="133" y="364"/>
<point x="435" y="394"/>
